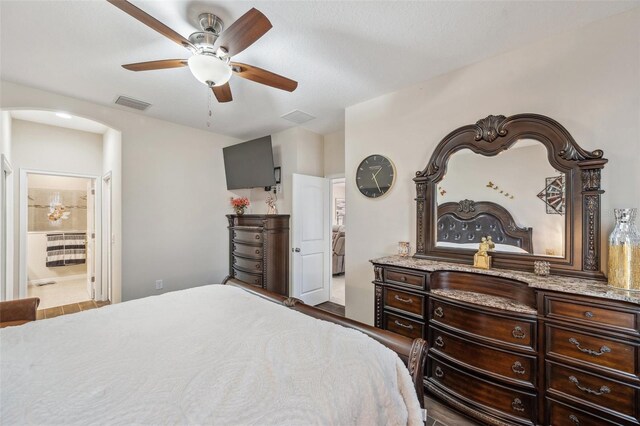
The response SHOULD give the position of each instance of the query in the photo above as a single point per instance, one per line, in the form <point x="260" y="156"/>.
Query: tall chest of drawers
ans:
<point x="504" y="352"/>
<point x="259" y="251"/>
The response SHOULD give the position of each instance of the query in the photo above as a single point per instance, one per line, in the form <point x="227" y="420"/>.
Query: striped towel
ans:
<point x="66" y="249"/>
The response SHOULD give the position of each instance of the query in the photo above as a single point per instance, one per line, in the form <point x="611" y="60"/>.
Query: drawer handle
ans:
<point x="439" y="342"/>
<point x="517" y="405"/>
<point x="589" y="314"/>
<point x="518" y="333"/>
<point x="257" y="236"/>
<point x="439" y="373"/>
<point x="518" y="368"/>
<point x="257" y="266"/>
<point x="257" y="251"/>
<point x="439" y="312"/>
<point x="603" y="350"/>
<point x="574" y="419"/>
<point x="403" y="278"/>
<point x="409" y="326"/>
<point x="400" y="299"/>
<point x="603" y="389"/>
<point x="235" y="260"/>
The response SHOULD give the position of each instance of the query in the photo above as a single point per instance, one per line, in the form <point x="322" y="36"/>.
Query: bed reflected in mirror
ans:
<point x="517" y="197"/>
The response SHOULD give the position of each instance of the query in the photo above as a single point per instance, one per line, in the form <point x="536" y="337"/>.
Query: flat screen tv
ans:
<point x="249" y="164"/>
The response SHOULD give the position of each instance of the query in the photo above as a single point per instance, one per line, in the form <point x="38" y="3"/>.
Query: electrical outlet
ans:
<point x="159" y="284"/>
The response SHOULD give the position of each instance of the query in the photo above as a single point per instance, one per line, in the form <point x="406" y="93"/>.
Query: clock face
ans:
<point x="375" y="176"/>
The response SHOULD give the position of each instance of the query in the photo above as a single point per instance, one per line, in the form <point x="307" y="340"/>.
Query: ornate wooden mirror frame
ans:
<point x="489" y="137"/>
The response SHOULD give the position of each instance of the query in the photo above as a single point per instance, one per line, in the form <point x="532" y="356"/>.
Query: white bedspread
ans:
<point x="207" y="355"/>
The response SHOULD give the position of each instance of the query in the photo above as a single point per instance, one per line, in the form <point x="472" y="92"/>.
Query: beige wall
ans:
<point x="173" y="194"/>
<point x="296" y="150"/>
<point x="334" y="154"/>
<point x="587" y="79"/>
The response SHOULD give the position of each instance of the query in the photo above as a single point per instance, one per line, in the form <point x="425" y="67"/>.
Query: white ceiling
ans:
<point x="53" y="119"/>
<point x="341" y="53"/>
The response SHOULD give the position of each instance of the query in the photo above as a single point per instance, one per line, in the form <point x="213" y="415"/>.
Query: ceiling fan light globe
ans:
<point x="209" y="70"/>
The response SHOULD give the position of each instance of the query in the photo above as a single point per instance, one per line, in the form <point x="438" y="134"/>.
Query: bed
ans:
<point x="463" y="224"/>
<point x="217" y="354"/>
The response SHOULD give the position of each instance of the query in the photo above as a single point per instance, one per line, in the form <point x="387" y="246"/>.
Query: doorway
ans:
<point x="59" y="238"/>
<point x="338" y="241"/>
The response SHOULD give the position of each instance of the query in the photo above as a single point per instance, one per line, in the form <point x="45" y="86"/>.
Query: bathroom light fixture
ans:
<point x="63" y="115"/>
<point x="209" y="69"/>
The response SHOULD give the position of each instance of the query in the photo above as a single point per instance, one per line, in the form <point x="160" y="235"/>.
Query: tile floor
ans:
<point x="61" y="293"/>
<point x="71" y="308"/>
<point x="337" y="289"/>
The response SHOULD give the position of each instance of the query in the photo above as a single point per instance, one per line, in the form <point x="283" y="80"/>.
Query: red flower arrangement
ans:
<point x="240" y="204"/>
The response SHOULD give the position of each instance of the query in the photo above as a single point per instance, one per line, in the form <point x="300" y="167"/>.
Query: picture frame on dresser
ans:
<point x="493" y="135"/>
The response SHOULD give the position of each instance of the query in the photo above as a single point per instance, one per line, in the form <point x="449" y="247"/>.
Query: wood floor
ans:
<point x="68" y="309"/>
<point x="334" y="308"/>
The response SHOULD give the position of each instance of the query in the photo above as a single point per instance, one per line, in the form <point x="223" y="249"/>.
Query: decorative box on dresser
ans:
<point x="510" y="347"/>
<point x="259" y="251"/>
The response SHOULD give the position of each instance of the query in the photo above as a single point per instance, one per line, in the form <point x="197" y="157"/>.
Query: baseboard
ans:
<point x="57" y="279"/>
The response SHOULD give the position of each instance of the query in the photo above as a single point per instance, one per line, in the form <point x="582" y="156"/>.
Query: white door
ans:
<point x="91" y="238"/>
<point x="310" y="221"/>
<point x="107" y="237"/>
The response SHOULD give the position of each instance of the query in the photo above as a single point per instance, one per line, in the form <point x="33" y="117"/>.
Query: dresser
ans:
<point x="259" y="251"/>
<point x="509" y="347"/>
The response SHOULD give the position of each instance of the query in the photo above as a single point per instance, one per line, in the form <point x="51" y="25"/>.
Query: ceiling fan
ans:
<point x="210" y="63"/>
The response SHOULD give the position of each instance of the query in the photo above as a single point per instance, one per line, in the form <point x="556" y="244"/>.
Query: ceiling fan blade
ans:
<point x="156" y="65"/>
<point x="223" y="93"/>
<point x="151" y="22"/>
<point x="244" y="32"/>
<point x="263" y="76"/>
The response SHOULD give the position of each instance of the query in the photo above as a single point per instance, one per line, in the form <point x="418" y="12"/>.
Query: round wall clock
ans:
<point x="375" y="176"/>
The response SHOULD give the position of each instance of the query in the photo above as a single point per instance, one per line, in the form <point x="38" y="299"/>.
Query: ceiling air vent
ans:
<point x="132" y="103"/>
<point x="298" y="116"/>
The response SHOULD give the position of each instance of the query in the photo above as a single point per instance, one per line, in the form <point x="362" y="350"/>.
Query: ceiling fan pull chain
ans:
<point x="210" y="106"/>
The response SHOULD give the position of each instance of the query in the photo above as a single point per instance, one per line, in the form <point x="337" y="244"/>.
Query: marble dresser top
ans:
<point x="485" y="300"/>
<point x="553" y="282"/>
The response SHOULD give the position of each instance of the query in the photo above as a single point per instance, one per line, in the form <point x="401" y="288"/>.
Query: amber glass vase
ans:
<point x="624" y="251"/>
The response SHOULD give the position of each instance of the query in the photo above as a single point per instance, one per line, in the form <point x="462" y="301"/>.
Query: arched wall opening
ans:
<point x="59" y="160"/>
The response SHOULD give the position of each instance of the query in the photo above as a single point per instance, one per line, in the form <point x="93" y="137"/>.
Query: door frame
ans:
<point x="6" y="228"/>
<point x="23" y="226"/>
<point x="107" y="236"/>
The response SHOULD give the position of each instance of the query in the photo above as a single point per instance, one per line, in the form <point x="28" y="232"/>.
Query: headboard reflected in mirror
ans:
<point x="462" y="225"/>
<point x="528" y="168"/>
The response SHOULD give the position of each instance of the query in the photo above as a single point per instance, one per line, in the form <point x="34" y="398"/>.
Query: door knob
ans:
<point x="296" y="250"/>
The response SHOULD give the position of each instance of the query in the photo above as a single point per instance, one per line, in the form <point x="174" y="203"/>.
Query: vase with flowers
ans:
<point x="240" y="205"/>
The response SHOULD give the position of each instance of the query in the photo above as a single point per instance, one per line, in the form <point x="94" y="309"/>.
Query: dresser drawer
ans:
<point x="605" y="393"/>
<point x="403" y="326"/>
<point x="247" y="250"/>
<point x="592" y="314"/>
<point x="409" y="303"/>
<point x="248" y="265"/>
<point x="511" y="366"/>
<point x="247" y="235"/>
<point x="248" y="278"/>
<point x="560" y="414"/>
<point x="409" y="279"/>
<point x="473" y="321"/>
<point x="516" y="405"/>
<point x="613" y="354"/>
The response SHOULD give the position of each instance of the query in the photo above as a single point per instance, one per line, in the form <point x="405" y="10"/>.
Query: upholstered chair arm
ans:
<point x="16" y="312"/>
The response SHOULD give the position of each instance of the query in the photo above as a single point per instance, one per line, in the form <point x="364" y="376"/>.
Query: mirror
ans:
<point x="524" y="181"/>
<point x="517" y="197"/>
